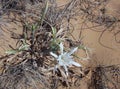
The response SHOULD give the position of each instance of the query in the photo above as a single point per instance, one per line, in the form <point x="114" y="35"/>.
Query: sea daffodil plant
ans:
<point x="65" y="59"/>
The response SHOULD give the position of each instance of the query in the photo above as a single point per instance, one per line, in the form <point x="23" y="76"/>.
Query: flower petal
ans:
<point x="75" y="64"/>
<point x="61" y="48"/>
<point x="73" y="50"/>
<point x="54" y="55"/>
<point x="66" y="70"/>
<point x="59" y="58"/>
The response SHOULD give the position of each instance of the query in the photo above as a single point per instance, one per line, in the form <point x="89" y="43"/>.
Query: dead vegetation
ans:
<point x="106" y="77"/>
<point x="32" y="66"/>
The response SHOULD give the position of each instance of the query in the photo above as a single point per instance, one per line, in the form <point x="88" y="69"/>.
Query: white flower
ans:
<point x="65" y="59"/>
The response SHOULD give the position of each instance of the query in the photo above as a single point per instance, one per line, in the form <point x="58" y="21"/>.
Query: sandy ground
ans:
<point x="5" y="33"/>
<point x="102" y="55"/>
<point x="90" y="37"/>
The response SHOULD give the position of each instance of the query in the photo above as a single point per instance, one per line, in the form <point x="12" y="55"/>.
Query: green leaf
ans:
<point x="9" y="52"/>
<point x="54" y="31"/>
<point x="34" y="27"/>
<point x="23" y="47"/>
<point x="45" y="11"/>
